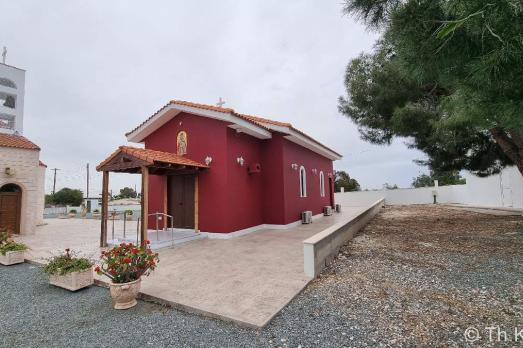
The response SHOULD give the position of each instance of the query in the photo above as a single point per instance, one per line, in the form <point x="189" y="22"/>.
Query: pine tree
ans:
<point x="446" y="74"/>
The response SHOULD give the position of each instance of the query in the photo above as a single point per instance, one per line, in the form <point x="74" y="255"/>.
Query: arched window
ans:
<point x="322" y="185"/>
<point x="303" y="182"/>
<point x="7" y="83"/>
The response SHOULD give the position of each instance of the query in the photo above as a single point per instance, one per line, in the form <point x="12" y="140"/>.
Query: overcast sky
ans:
<point x="96" y="69"/>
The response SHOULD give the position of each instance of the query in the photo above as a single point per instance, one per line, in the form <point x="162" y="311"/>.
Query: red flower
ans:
<point x="135" y="251"/>
<point x="147" y="242"/>
<point x="97" y="269"/>
<point x="127" y="260"/>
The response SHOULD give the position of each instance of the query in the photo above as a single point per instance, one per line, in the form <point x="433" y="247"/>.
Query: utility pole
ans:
<point x="87" y="191"/>
<point x="54" y="180"/>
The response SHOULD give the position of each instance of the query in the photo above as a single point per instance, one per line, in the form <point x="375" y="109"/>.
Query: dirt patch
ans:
<point x="422" y="275"/>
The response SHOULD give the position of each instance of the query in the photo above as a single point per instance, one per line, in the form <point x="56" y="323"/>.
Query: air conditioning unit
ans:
<point x="306" y="217"/>
<point x="338" y="208"/>
<point x="327" y="210"/>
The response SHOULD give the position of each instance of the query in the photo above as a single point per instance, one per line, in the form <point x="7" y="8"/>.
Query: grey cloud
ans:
<point x="96" y="69"/>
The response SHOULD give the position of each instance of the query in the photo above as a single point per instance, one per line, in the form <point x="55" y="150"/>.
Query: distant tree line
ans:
<point x="444" y="179"/>
<point x="342" y="179"/>
<point x="75" y="197"/>
<point x="65" y="196"/>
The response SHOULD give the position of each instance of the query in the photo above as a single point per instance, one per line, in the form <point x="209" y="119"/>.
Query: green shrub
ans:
<point x="7" y="244"/>
<point x="96" y="211"/>
<point x="67" y="263"/>
<point x="4" y="237"/>
<point x="12" y="246"/>
<point x="72" y="211"/>
<point x="129" y="212"/>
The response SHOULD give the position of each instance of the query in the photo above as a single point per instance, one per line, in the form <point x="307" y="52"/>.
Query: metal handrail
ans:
<point x="172" y="223"/>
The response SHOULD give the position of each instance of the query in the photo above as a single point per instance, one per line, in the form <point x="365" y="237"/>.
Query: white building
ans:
<point x="22" y="174"/>
<point x="12" y="87"/>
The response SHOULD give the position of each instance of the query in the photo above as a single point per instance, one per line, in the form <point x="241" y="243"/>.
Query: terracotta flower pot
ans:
<point x="124" y="294"/>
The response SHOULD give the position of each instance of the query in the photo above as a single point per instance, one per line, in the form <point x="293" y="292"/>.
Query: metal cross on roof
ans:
<point x="4" y="54"/>
<point x="220" y="102"/>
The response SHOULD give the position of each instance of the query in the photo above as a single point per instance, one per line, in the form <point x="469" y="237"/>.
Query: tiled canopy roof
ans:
<point x="17" y="141"/>
<point x="152" y="156"/>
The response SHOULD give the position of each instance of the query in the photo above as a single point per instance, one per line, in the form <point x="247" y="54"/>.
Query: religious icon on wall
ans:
<point x="181" y="143"/>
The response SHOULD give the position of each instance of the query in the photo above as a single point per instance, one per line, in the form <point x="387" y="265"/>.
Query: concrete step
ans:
<point x="164" y="239"/>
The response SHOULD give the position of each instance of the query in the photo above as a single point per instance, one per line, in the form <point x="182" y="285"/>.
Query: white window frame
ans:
<point x="303" y="181"/>
<point x="322" y="184"/>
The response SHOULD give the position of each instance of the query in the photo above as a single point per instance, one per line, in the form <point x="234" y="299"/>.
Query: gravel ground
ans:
<point x="416" y="276"/>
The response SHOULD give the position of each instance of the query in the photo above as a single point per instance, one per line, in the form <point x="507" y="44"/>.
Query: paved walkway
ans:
<point x="247" y="279"/>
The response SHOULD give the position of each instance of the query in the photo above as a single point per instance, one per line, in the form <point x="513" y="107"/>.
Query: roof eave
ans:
<point x="312" y="145"/>
<point x="162" y="116"/>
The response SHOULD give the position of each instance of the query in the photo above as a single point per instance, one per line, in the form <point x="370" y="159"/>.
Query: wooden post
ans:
<point x="105" y="198"/>
<point x="196" y="225"/>
<point x="145" y="203"/>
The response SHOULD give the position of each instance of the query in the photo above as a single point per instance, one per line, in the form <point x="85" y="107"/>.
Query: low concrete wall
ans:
<point x="321" y="248"/>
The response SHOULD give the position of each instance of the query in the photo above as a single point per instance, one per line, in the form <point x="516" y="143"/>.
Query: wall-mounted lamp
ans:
<point x="208" y="160"/>
<point x="9" y="171"/>
<point x="240" y="161"/>
<point x="294" y="166"/>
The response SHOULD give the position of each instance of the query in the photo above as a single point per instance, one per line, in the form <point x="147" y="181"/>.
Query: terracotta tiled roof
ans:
<point x="202" y="106"/>
<point x="312" y="139"/>
<point x="152" y="156"/>
<point x="17" y="141"/>
<point x="263" y="121"/>
<point x="259" y="121"/>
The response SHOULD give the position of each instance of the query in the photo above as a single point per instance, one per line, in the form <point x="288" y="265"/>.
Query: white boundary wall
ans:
<point x="502" y="190"/>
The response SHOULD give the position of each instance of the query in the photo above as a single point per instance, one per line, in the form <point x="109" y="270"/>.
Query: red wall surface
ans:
<point x="244" y="193"/>
<point x="230" y="198"/>
<point x="205" y="137"/>
<point x="273" y="200"/>
<point x="294" y="204"/>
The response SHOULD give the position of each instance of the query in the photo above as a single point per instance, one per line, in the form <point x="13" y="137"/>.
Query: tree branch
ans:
<point x="511" y="143"/>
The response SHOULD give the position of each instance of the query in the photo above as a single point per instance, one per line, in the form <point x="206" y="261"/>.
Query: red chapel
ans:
<point x="218" y="171"/>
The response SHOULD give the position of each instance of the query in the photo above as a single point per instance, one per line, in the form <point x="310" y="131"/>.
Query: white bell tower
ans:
<point x="12" y="86"/>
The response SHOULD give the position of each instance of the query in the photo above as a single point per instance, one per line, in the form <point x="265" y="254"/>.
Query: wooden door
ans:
<point x="180" y="200"/>
<point x="10" y="208"/>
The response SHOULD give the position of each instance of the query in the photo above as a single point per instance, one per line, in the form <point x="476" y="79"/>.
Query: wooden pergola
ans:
<point x="133" y="160"/>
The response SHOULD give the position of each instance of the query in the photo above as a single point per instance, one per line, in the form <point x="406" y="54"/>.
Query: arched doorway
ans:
<point x="10" y="208"/>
